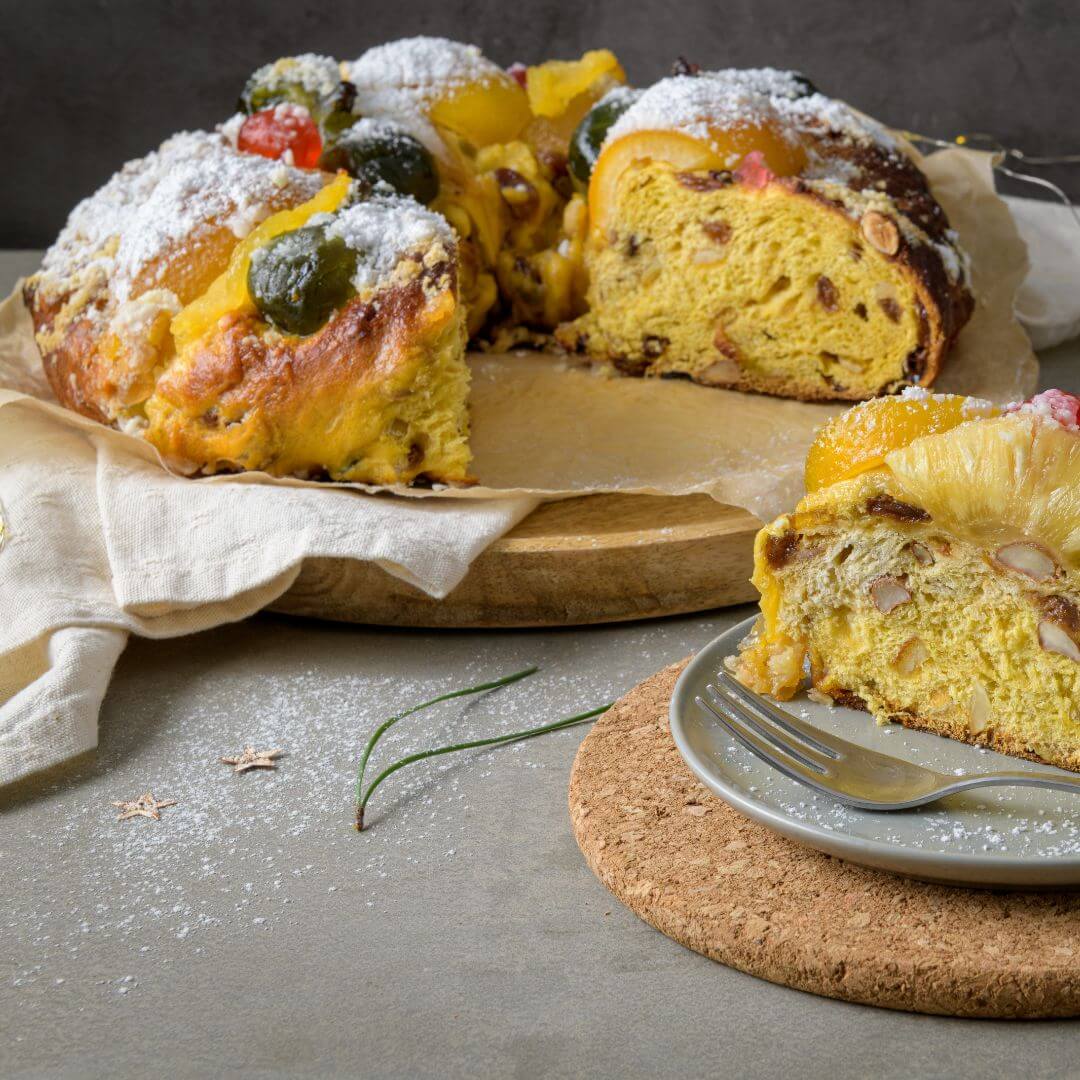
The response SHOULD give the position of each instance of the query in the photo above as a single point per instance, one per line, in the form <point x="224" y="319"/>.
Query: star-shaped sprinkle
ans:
<point x="253" y="759"/>
<point x="144" y="806"/>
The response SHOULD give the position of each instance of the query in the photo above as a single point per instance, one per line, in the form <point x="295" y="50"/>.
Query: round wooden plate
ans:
<point x="600" y="558"/>
<point x="734" y="890"/>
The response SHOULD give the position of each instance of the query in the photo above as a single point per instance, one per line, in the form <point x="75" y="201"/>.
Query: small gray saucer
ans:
<point x="994" y="837"/>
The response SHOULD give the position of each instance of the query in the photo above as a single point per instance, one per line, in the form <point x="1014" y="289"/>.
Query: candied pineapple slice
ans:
<point x="724" y="149"/>
<point x="554" y="85"/>
<point x="494" y="109"/>
<point x="1008" y="479"/>
<point x="858" y="440"/>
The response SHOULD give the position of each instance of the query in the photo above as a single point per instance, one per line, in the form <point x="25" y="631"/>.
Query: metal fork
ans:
<point x="842" y="769"/>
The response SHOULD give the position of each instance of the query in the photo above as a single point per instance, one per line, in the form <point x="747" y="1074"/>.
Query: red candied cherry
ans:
<point x="285" y="132"/>
<point x="520" y="73"/>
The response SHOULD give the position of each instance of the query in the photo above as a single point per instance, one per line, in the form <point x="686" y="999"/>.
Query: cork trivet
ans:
<point x="726" y="887"/>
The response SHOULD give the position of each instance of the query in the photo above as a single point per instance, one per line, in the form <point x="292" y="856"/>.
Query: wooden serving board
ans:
<point x="727" y="887"/>
<point x="600" y="558"/>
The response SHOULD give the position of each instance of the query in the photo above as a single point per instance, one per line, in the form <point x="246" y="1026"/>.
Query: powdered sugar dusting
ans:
<point x="165" y="204"/>
<point x="972" y="407"/>
<point x="734" y="98"/>
<point x="113" y="905"/>
<point x="371" y="127"/>
<point x="384" y="228"/>
<point x="398" y="81"/>
<point x="405" y="107"/>
<point x="428" y="63"/>
<point x="318" y="75"/>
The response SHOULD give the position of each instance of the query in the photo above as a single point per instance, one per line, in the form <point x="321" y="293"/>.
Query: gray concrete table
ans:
<point x="252" y="932"/>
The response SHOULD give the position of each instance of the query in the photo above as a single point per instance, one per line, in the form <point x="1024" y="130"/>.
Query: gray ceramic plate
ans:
<point x="1005" y="837"/>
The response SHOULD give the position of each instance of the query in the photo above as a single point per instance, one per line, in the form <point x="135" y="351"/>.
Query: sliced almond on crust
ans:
<point x="1028" y="558"/>
<point x="889" y="593"/>
<point x="1056" y="639"/>
<point x="880" y="232"/>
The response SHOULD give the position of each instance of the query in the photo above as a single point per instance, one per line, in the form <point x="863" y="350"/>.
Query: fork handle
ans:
<point x="1017" y="778"/>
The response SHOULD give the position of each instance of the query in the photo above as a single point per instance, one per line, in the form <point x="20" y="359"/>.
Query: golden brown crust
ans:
<point x="1002" y="742"/>
<point x="77" y="373"/>
<point x="248" y="399"/>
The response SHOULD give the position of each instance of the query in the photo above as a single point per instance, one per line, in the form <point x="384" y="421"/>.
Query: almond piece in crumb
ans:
<point x="911" y="656"/>
<point x="1028" y="558"/>
<point x="1055" y="639"/>
<point x="979" y="709"/>
<point x="923" y="555"/>
<point x="888" y="593"/>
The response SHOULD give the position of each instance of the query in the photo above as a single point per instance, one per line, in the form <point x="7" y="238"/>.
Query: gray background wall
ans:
<point x="88" y="84"/>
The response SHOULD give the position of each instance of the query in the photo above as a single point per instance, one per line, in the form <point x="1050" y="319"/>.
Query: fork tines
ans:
<point x="779" y="738"/>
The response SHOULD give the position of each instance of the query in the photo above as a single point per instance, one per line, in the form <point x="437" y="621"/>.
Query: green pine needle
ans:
<point x="363" y="797"/>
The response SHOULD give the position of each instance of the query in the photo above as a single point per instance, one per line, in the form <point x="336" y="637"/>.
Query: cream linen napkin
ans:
<point x="1048" y="303"/>
<point x="98" y="543"/>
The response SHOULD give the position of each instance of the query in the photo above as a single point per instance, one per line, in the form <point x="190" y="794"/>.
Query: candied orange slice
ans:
<point x="724" y="149"/>
<point x="552" y="86"/>
<point x="494" y="109"/>
<point x="858" y="440"/>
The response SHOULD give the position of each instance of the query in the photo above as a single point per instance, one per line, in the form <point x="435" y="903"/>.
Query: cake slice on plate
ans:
<point x="932" y="573"/>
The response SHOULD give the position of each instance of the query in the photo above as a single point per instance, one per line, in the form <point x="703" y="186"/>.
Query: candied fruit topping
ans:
<point x="754" y="172"/>
<point x="858" y="440"/>
<point x="284" y="133"/>
<point x="762" y="149"/>
<point x="552" y="86"/>
<point x="493" y="109"/>
<point x="300" y="278"/>
<point x="1059" y="406"/>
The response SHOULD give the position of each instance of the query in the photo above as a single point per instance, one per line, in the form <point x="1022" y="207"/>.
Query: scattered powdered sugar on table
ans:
<point x="113" y="904"/>
<point x="1015" y="822"/>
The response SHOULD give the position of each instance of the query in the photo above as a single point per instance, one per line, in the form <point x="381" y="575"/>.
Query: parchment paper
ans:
<point x="543" y="427"/>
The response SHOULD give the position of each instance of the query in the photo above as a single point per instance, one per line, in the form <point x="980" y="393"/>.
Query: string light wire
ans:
<point x="1001" y="154"/>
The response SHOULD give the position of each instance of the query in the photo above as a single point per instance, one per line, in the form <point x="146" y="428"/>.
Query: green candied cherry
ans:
<point x="381" y="153"/>
<point x="589" y="135"/>
<point x="283" y="82"/>
<point x="300" y="278"/>
<point x="805" y="87"/>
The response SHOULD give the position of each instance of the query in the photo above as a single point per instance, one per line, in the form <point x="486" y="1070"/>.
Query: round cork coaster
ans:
<point x="726" y="887"/>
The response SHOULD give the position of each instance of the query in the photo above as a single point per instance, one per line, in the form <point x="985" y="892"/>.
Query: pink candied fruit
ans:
<point x="1059" y="406"/>
<point x="753" y="172"/>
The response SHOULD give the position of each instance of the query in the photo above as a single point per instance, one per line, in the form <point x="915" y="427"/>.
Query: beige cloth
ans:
<point x="98" y="544"/>
<point x="1048" y="303"/>
<point x="99" y="541"/>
